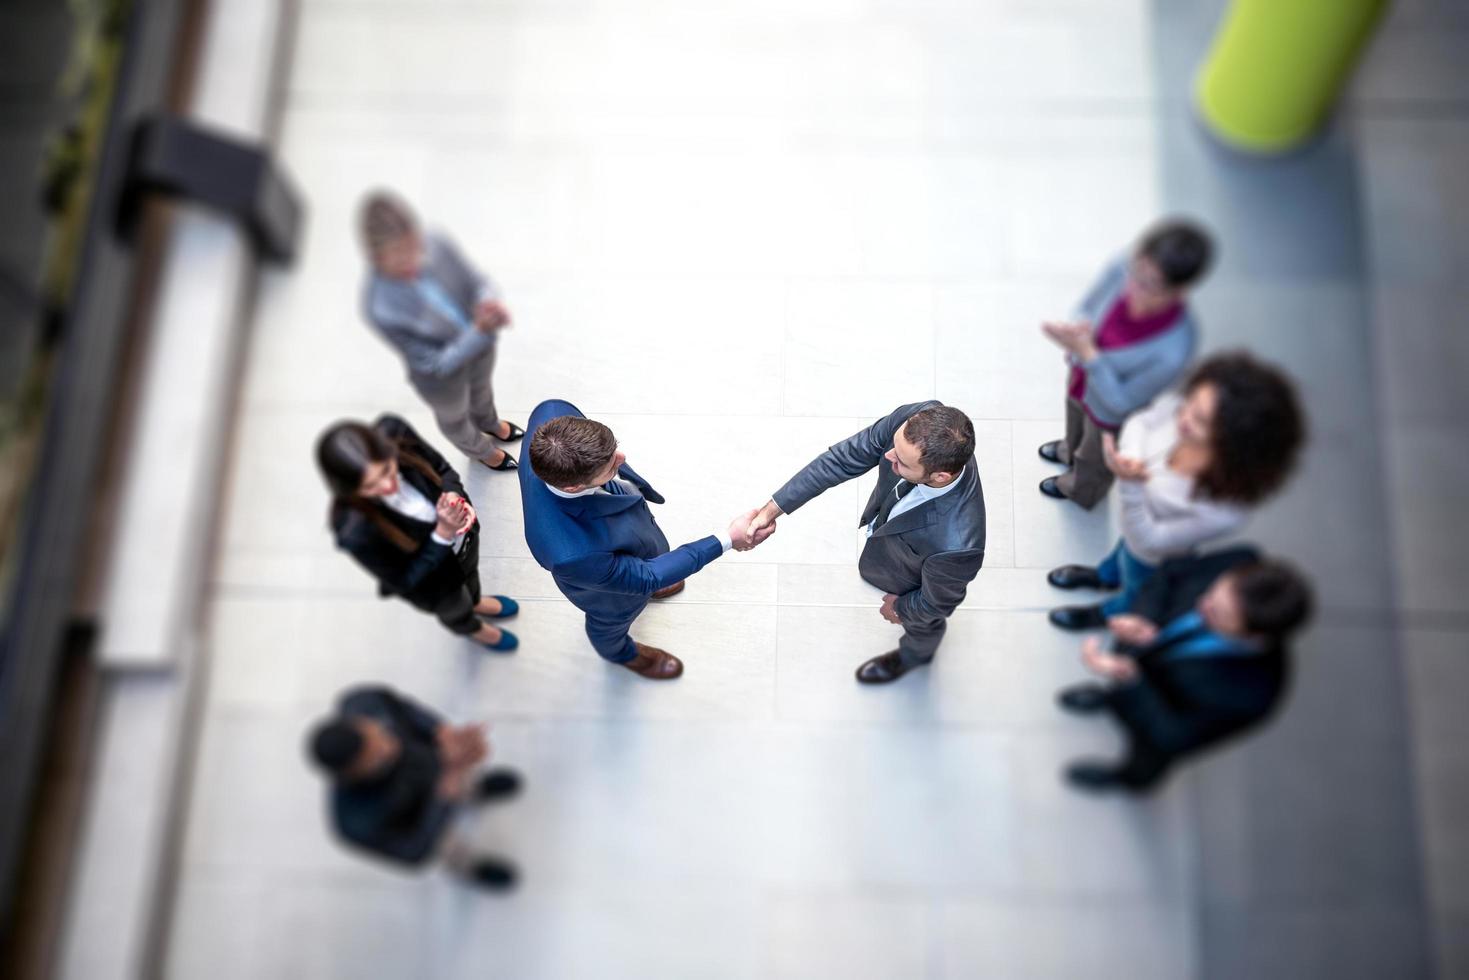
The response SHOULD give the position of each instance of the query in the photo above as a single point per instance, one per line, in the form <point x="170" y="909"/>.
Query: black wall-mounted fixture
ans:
<point x="180" y="158"/>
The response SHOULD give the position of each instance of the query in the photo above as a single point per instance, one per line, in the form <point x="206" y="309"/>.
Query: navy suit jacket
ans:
<point x="605" y="551"/>
<point x="1178" y="706"/>
<point x="376" y="816"/>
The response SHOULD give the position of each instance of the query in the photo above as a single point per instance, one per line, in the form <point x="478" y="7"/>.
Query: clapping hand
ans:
<point x="491" y="315"/>
<point x="1076" y="338"/>
<point x="744" y="533"/>
<point x="455" y="515"/>
<point x="889" y="609"/>
<point x="463" y="746"/>
<point x="1125" y="467"/>
<point x="1132" y="629"/>
<point x="1108" y="665"/>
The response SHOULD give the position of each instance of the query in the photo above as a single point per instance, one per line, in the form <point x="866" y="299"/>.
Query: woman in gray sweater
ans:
<point x="443" y="317"/>
<point x="1132" y="338"/>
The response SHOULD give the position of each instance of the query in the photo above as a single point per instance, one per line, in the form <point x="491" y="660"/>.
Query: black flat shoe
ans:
<point x="1075" y="577"/>
<point x="516" y="433"/>
<point x="1094" y="776"/>
<point x="493" y="873"/>
<point x="882" y="670"/>
<point x="497" y="784"/>
<point x="1078" y="617"/>
<point x="1051" y="452"/>
<point x="1050" y="489"/>
<point x="506" y="464"/>
<point x="1083" y="699"/>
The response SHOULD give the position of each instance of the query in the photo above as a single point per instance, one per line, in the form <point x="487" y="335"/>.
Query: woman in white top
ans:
<point x="1190" y="467"/>
<point x="400" y="510"/>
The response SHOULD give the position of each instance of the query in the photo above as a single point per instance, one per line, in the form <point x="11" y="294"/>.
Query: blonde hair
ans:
<point x="385" y="218"/>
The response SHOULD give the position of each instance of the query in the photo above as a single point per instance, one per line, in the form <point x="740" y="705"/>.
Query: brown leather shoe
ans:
<point x="654" y="664"/>
<point x="882" y="670"/>
<point x="667" y="593"/>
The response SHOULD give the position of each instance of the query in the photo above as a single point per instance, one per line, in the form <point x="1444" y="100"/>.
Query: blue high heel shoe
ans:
<point x="508" y="641"/>
<point x="508" y="607"/>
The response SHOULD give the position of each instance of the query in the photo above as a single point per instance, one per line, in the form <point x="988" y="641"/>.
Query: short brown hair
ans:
<point x="570" y="450"/>
<point x="385" y="218"/>
<point x="944" y="437"/>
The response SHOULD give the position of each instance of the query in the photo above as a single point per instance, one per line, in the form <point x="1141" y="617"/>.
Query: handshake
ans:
<point x="753" y="527"/>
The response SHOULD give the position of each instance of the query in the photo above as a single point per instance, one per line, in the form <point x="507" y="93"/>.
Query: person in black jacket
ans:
<point x="1200" y="656"/>
<point x="400" y="510"/>
<point x="400" y="774"/>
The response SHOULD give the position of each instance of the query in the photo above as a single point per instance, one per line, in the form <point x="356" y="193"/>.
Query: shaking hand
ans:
<point x="744" y="533"/>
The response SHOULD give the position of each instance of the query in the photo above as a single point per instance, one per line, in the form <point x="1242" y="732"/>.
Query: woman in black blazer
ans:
<point x="400" y="510"/>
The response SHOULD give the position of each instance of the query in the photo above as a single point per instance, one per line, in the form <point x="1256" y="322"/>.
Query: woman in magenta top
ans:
<point x="1133" y="337"/>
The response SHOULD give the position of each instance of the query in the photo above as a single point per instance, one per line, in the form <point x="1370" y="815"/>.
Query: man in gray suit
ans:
<point x="443" y="317"/>
<point x="924" y="523"/>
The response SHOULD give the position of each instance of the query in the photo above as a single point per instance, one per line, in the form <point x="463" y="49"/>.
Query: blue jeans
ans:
<point x="1123" y="570"/>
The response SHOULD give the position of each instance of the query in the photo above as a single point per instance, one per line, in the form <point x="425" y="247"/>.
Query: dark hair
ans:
<point x="335" y="745"/>
<point x="569" y="450"/>
<point x="1181" y="249"/>
<point x="343" y="454"/>
<point x="944" y="437"/>
<point x="1258" y="428"/>
<point x="1275" y="598"/>
<point x="385" y="218"/>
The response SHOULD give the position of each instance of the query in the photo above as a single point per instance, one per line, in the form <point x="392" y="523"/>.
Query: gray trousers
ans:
<point x="464" y="404"/>
<point x="1088" y="479"/>
<point x="921" y="637"/>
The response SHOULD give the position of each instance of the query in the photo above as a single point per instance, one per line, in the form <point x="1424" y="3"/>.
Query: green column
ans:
<point x="1276" y="68"/>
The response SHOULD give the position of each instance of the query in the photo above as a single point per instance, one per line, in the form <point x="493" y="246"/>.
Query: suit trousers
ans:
<point x="1087" y="480"/>
<point x="464" y="404"/>
<point x="455" y="608"/>
<point x="609" y="634"/>
<point x="921" y="635"/>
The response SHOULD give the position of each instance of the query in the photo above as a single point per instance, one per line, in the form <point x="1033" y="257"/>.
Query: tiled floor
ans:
<point x="737" y="232"/>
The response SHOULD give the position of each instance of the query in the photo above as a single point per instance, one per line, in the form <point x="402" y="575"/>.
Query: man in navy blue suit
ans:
<point x="587" y="522"/>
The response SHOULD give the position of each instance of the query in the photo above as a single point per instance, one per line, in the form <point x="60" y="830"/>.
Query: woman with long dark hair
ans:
<point x="1190" y="467"/>
<point x="400" y="510"/>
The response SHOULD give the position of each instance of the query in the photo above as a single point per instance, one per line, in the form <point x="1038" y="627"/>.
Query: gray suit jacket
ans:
<point x="926" y="556"/>
<point x="433" y="346"/>
<point x="1124" y="379"/>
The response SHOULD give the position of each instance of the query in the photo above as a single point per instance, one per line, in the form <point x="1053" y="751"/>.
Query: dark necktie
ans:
<point x="891" y="501"/>
<point x="614" y="488"/>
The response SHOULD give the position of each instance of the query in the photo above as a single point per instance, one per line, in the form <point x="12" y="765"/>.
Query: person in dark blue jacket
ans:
<point x="587" y="522"/>
<point x="399" y="776"/>
<point x="1200" y="657"/>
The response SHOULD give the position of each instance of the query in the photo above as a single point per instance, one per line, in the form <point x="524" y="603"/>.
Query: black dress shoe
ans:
<point x="493" y="873"/>
<point x="1094" y="776"/>
<point x="1075" y="577"/>
<point x="1051" y="452"/>
<point x="1078" y="617"/>
<point x="1050" y="489"/>
<point x="882" y="670"/>
<point x="1084" y="699"/>
<point x="497" y="784"/>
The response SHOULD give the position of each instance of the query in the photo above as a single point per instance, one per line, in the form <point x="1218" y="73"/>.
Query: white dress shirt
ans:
<point x="1161" y="517"/>
<point x="723" y="536"/>
<point x="415" y="506"/>
<point x="920" y="493"/>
